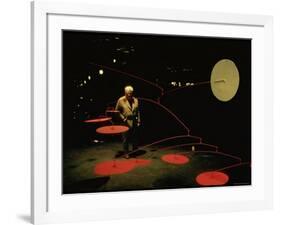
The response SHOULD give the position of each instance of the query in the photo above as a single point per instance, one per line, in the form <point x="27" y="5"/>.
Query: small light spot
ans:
<point x="114" y="60"/>
<point x="89" y="78"/>
<point x="85" y="82"/>
<point x="81" y="97"/>
<point x="100" y="72"/>
<point x="78" y="105"/>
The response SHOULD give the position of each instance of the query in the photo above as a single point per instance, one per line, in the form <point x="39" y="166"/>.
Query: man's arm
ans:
<point x="118" y="107"/>
<point x="139" y="120"/>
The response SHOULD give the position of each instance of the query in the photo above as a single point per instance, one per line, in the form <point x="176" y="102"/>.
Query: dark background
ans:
<point x="160" y="59"/>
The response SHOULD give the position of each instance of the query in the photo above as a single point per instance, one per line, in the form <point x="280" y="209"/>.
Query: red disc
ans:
<point x="113" y="129"/>
<point x="98" y="120"/>
<point x="113" y="167"/>
<point x="175" y="159"/>
<point x="212" y="178"/>
<point x="119" y="166"/>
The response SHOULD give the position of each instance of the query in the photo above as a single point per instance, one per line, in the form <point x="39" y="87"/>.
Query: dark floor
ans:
<point x="79" y="168"/>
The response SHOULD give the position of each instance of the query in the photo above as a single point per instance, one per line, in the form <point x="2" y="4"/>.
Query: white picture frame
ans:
<point x="48" y="205"/>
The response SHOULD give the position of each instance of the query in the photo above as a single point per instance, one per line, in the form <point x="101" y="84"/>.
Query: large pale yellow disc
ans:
<point x="224" y="80"/>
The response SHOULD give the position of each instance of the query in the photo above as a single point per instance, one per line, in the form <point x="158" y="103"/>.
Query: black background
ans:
<point x="160" y="59"/>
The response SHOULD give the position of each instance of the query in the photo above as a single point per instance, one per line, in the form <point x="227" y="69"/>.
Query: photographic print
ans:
<point x="151" y="111"/>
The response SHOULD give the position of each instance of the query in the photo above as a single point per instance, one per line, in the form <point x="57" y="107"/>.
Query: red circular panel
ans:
<point x="113" y="129"/>
<point x="175" y="159"/>
<point x="98" y="120"/>
<point x="114" y="167"/>
<point x="212" y="178"/>
<point x="119" y="166"/>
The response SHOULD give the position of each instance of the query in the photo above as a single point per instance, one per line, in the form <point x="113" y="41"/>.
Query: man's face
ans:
<point x="129" y="95"/>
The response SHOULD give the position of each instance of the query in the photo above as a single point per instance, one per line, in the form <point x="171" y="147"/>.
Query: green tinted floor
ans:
<point x="79" y="166"/>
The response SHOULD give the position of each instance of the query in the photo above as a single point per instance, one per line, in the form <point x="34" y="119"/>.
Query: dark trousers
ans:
<point x="130" y="137"/>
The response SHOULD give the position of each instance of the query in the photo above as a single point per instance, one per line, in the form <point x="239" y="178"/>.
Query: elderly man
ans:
<point x="128" y="106"/>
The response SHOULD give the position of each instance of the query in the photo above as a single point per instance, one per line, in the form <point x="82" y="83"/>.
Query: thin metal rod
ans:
<point x="234" y="165"/>
<point x="192" y="84"/>
<point x="129" y="74"/>
<point x="218" y="81"/>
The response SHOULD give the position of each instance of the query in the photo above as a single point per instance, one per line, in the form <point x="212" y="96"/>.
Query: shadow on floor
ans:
<point x="25" y="218"/>
<point x="85" y="186"/>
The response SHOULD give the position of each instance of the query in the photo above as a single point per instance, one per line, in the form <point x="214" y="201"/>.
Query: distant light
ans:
<point x="191" y="84"/>
<point x="179" y="84"/>
<point x="81" y="84"/>
<point x="100" y="72"/>
<point x="78" y="105"/>
<point x="89" y="78"/>
<point x="85" y="82"/>
<point x="174" y="83"/>
<point x="81" y="97"/>
<point x="91" y="99"/>
<point x="114" y="60"/>
<point x="117" y="38"/>
<point x="187" y="84"/>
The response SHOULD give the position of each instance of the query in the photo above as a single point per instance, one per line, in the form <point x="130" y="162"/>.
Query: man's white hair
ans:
<point x="128" y="88"/>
